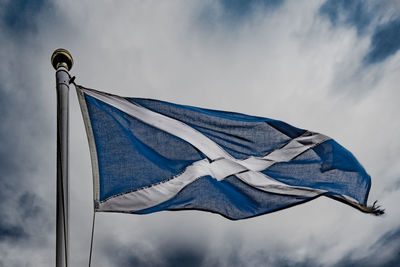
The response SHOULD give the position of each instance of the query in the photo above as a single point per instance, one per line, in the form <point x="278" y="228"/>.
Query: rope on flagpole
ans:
<point x="91" y="239"/>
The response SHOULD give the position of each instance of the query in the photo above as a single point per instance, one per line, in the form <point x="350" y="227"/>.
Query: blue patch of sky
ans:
<point x="234" y="12"/>
<point x="238" y="9"/>
<point x="385" y="42"/>
<point x="350" y="12"/>
<point x="19" y="15"/>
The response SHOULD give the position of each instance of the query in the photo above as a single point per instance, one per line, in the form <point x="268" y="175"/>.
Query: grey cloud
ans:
<point x="9" y="232"/>
<point x="15" y="159"/>
<point x="264" y="259"/>
<point x="166" y="253"/>
<point x="391" y="241"/>
<point x="26" y="210"/>
<point x="183" y="256"/>
<point x="31" y="205"/>
<point x="173" y="252"/>
<point x="393" y="187"/>
<point x="19" y="15"/>
<point x="384" y="252"/>
<point x="26" y="214"/>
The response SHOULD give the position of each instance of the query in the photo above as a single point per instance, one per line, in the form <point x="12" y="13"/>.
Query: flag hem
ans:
<point x="374" y="209"/>
<point x="92" y="145"/>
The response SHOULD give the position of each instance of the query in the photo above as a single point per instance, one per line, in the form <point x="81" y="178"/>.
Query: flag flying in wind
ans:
<point x="150" y="155"/>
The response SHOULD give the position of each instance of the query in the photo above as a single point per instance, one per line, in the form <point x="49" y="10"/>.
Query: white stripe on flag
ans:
<point x="167" y="124"/>
<point x="156" y="194"/>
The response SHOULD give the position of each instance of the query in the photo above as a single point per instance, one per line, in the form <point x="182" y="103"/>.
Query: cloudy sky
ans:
<point x="323" y="65"/>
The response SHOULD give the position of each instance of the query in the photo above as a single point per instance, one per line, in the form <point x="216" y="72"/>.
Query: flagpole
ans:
<point x="62" y="62"/>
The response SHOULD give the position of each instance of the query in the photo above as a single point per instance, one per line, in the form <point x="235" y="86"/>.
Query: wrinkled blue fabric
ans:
<point x="132" y="155"/>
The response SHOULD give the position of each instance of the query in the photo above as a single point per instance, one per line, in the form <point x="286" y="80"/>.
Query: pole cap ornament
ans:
<point x="62" y="58"/>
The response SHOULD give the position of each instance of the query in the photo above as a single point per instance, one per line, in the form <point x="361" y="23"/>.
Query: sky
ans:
<point x="323" y="65"/>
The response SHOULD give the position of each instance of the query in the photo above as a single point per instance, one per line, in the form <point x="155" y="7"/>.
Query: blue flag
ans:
<point x="150" y="155"/>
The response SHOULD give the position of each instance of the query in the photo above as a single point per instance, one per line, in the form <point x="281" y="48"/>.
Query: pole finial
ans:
<point x="61" y="57"/>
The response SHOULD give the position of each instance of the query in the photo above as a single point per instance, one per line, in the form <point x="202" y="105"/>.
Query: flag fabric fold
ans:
<point x="150" y="155"/>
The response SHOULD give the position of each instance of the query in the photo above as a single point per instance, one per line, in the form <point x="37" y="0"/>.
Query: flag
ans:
<point x="150" y="155"/>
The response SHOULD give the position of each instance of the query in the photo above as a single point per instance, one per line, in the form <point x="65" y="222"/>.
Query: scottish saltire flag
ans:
<point x="150" y="155"/>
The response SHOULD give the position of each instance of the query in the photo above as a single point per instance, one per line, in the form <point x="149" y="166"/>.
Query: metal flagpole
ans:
<point x="62" y="62"/>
